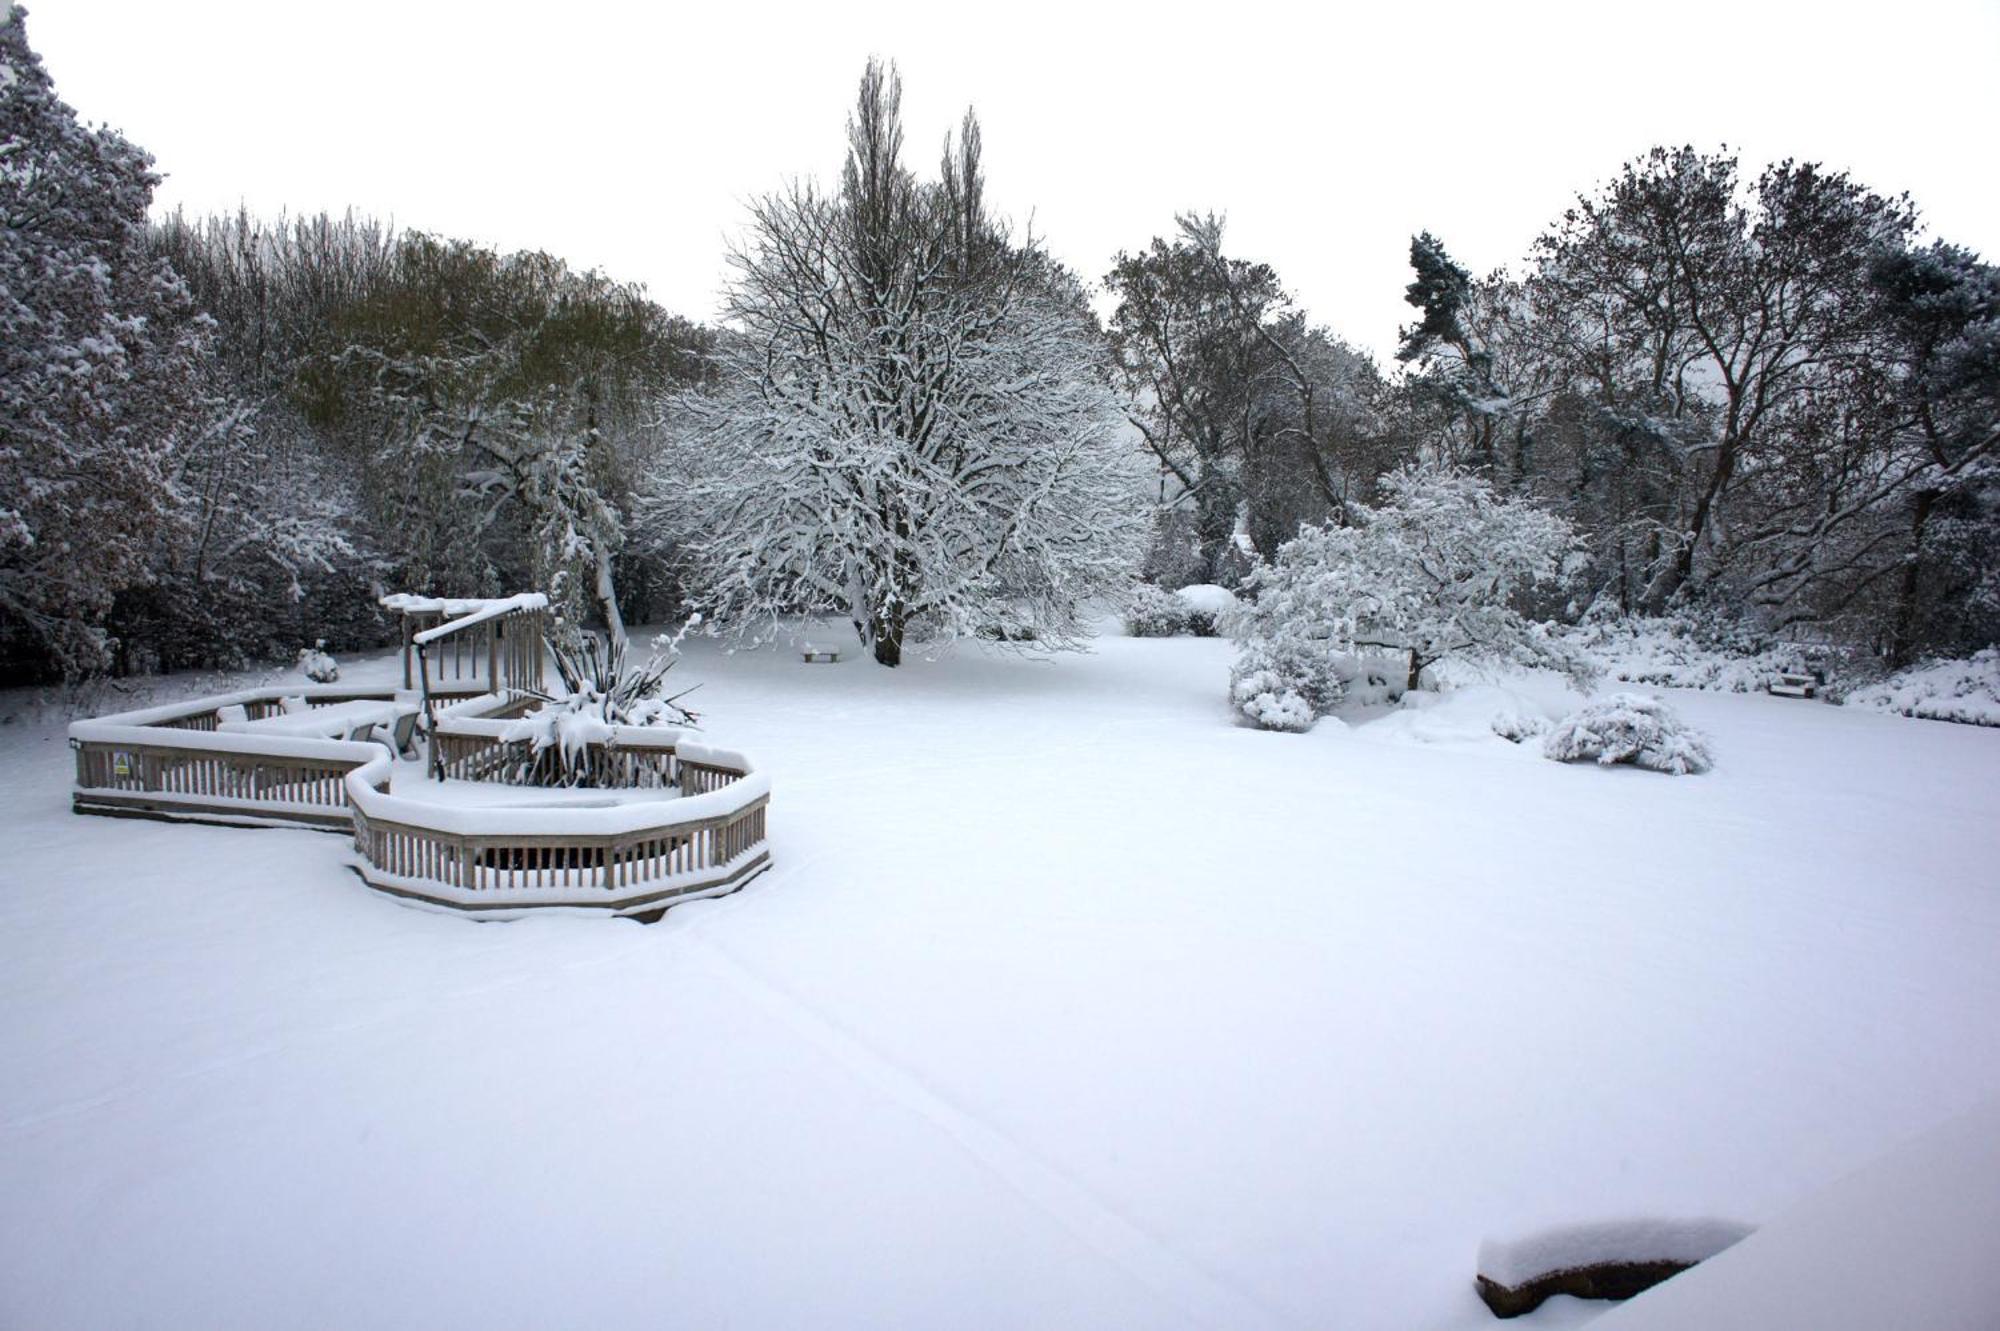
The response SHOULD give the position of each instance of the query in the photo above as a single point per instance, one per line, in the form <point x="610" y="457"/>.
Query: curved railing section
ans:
<point x="176" y="762"/>
<point x="585" y="849"/>
<point x="633" y="858"/>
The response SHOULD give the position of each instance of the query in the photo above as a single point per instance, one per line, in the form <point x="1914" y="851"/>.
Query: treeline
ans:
<point x="223" y="436"/>
<point x="1771" y="399"/>
<point x="415" y="412"/>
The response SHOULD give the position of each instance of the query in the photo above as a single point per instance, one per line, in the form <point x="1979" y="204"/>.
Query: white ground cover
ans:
<point x="1069" y="1002"/>
<point x="1967" y="692"/>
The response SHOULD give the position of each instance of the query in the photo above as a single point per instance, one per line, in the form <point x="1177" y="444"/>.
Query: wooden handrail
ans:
<point x="631" y="858"/>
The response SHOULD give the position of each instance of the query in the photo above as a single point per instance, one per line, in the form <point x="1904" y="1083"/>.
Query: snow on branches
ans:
<point x="102" y="363"/>
<point x="913" y="426"/>
<point x="1439" y="569"/>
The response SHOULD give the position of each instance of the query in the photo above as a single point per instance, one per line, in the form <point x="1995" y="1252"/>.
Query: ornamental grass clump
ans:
<point x="572" y="735"/>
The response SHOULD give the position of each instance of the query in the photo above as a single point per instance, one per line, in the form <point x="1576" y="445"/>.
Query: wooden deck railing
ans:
<point x="500" y="644"/>
<point x="476" y="746"/>
<point x="630" y="859"/>
<point x="172" y="762"/>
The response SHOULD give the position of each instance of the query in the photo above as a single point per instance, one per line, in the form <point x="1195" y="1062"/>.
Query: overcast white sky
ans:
<point x="627" y="136"/>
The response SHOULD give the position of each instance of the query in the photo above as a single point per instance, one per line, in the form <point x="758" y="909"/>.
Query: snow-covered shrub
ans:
<point x="1630" y="728"/>
<point x="597" y="692"/>
<point x="1516" y="726"/>
<point x="1270" y="702"/>
<point x="1208" y="608"/>
<point x="1153" y="613"/>
<point x="1278" y="679"/>
<point x="1966" y="691"/>
<point x="1369" y="680"/>
<point x="1504" y="712"/>
<point x="1173" y="552"/>
<point x="1436" y="572"/>
<point x="1004" y="630"/>
<point x="1685" y="650"/>
<point x="318" y="665"/>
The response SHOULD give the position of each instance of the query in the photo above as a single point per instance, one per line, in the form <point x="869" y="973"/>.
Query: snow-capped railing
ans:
<point x="633" y="858"/>
<point x="173" y="762"/>
<point x="630" y="858"/>
<point x="479" y="741"/>
<point x="497" y="642"/>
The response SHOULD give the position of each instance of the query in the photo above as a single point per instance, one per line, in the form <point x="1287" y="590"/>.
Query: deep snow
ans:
<point x="1068" y="1002"/>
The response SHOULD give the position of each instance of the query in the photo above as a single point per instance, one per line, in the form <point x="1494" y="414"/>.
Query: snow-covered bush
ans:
<point x="1630" y="728"/>
<point x="597" y="692"/>
<point x="1270" y="702"/>
<point x="1434" y="573"/>
<point x="1293" y="673"/>
<point x="1685" y="650"/>
<point x="1208" y="608"/>
<point x="1151" y="612"/>
<point x="318" y="665"/>
<point x="1966" y="691"/>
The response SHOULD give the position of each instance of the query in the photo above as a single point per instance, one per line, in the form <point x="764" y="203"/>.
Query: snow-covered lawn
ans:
<point x="1069" y="1003"/>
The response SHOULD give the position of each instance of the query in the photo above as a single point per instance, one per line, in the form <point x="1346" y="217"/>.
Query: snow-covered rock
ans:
<point x="1606" y="1259"/>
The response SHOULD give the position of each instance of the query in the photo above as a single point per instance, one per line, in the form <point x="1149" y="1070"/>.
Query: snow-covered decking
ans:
<point x="247" y="758"/>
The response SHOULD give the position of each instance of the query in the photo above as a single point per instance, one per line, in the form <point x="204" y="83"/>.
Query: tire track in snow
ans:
<point x="1203" y="1296"/>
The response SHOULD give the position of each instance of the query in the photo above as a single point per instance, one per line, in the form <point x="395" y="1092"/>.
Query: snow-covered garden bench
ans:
<point x="812" y="654"/>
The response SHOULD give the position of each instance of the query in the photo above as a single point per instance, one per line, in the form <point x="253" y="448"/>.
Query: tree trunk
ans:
<point x="607" y="597"/>
<point x="884" y="634"/>
<point x="1416" y="673"/>
<point x="1903" y="637"/>
<point x="1725" y="467"/>
<point x="1215" y="525"/>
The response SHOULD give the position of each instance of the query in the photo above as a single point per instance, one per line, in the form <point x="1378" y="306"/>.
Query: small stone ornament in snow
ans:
<point x="318" y="665"/>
